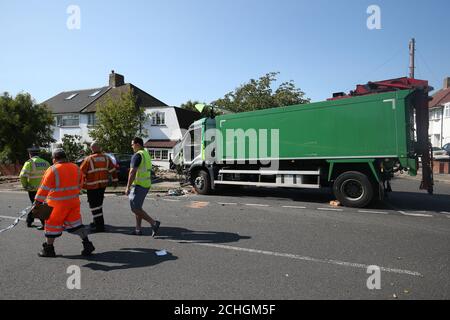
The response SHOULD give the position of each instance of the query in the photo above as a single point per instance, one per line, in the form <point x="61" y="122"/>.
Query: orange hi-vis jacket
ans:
<point x="60" y="185"/>
<point x="96" y="169"/>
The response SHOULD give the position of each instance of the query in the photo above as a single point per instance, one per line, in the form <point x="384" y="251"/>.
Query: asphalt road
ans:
<point x="245" y="244"/>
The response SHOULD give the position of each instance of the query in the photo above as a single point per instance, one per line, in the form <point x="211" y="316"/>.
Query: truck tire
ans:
<point x="353" y="189"/>
<point x="202" y="182"/>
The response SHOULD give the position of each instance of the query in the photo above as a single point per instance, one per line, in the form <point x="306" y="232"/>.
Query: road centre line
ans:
<point x="256" y="205"/>
<point x="303" y="258"/>
<point x="369" y="211"/>
<point x="294" y="207"/>
<point x="321" y="209"/>
<point x="12" y="218"/>
<point x="416" y="214"/>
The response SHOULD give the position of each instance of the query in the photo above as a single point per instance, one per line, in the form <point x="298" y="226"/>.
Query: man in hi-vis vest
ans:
<point x="97" y="169"/>
<point x="60" y="189"/>
<point x="31" y="176"/>
<point x="139" y="183"/>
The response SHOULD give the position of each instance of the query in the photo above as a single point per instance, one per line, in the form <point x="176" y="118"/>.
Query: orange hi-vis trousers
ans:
<point x="63" y="218"/>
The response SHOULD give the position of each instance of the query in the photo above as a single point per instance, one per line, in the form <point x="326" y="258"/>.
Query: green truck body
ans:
<point x="375" y="126"/>
<point x="352" y="145"/>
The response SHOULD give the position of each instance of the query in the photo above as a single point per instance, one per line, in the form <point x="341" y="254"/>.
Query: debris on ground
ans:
<point x="9" y="179"/>
<point x="161" y="253"/>
<point x="167" y="175"/>
<point x="335" y="203"/>
<point x="198" y="205"/>
<point x="178" y="192"/>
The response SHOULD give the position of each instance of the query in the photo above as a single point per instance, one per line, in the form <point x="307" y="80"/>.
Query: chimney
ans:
<point x="116" y="80"/>
<point x="446" y="83"/>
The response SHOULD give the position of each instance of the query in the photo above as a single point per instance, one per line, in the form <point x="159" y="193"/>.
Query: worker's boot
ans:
<point x="88" y="248"/>
<point x="48" y="251"/>
<point x="30" y="220"/>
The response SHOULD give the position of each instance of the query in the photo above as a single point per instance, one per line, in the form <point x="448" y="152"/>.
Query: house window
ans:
<point x="69" y="120"/>
<point x="159" y="119"/>
<point x="447" y="111"/>
<point x="436" y="114"/>
<point x="159" y="154"/>
<point x="92" y="119"/>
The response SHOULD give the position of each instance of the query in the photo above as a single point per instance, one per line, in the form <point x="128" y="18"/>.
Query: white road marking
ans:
<point x="171" y="200"/>
<point x="12" y="191"/>
<point x="367" y="211"/>
<point x="329" y="209"/>
<point x="304" y="258"/>
<point x="256" y="205"/>
<point x="416" y="214"/>
<point x="443" y="212"/>
<point x="294" y="207"/>
<point x="12" y="218"/>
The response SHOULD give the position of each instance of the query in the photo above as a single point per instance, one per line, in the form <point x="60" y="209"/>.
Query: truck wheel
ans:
<point x="202" y="182"/>
<point x="353" y="189"/>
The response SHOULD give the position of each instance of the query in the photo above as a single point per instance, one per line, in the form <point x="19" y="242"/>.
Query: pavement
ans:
<point x="13" y="184"/>
<point x="443" y="178"/>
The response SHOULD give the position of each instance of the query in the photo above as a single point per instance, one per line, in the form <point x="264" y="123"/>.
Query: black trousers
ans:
<point x="95" y="199"/>
<point x="30" y="219"/>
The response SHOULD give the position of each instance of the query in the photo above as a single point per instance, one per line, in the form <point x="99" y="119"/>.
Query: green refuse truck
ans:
<point x="353" y="143"/>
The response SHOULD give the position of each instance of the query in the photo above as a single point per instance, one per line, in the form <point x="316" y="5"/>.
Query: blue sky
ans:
<point x="178" y="50"/>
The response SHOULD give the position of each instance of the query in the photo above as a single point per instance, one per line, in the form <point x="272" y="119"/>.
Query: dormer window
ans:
<point x="159" y="119"/>
<point x="71" y="96"/>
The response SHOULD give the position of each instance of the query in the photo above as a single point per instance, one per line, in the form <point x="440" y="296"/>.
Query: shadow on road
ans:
<point x="184" y="235"/>
<point x="322" y="196"/>
<point x="124" y="259"/>
<point x="397" y="200"/>
<point x="416" y="201"/>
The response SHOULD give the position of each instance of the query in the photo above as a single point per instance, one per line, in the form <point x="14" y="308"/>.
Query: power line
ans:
<point x="383" y="64"/>
<point x="426" y="64"/>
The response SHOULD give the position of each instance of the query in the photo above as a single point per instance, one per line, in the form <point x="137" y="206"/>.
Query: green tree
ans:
<point x="207" y="111"/>
<point x="118" y="122"/>
<point x="258" y="94"/>
<point x="73" y="147"/>
<point x="190" y="105"/>
<point x="23" y="124"/>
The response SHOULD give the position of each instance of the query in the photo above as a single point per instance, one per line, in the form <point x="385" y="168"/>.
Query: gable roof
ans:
<point x="143" y="99"/>
<point x="186" y="117"/>
<point x="439" y="98"/>
<point x="161" y="144"/>
<point x="81" y="100"/>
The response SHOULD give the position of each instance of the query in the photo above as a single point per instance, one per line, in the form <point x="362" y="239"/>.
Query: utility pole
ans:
<point x="412" y="57"/>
